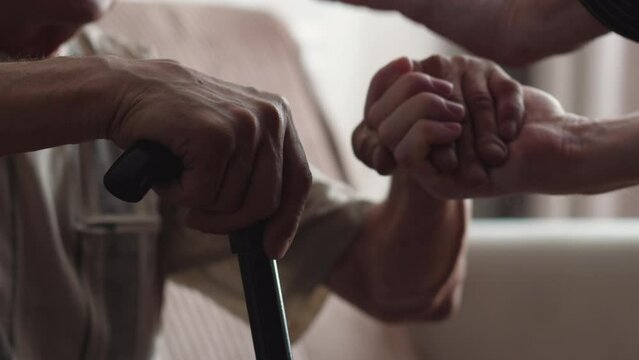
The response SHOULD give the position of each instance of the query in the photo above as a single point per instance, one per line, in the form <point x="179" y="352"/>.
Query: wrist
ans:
<point x="407" y="194"/>
<point x="410" y="206"/>
<point x="606" y="156"/>
<point x="50" y="103"/>
<point x="117" y="88"/>
<point x="561" y="167"/>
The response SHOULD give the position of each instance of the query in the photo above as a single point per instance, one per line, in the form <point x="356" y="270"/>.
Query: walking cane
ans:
<point x="146" y="164"/>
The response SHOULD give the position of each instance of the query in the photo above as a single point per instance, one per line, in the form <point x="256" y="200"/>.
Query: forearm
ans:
<point x="51" y="102"/>
<point x="407" y="261"/>
<point x="608" y="155"/>
<point x="511" y="32"/>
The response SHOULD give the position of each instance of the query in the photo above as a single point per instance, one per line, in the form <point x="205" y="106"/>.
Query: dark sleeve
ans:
<point x="620" y="16"/>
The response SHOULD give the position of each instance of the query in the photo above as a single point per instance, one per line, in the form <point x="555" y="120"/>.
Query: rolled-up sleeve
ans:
<point x="329" y="223"/>
<point x="620" y="16"/>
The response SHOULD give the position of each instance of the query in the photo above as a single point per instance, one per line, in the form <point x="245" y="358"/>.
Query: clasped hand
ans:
<point x="243" y="160"/>
<point x="462" y="128"/>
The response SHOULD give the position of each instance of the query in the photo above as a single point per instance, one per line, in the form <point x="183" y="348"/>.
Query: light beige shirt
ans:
<point x="82" y="274"/>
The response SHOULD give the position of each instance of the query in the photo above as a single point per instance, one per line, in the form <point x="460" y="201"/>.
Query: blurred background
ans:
<point x="548" y="277"/>
<point x="343" y="46"/>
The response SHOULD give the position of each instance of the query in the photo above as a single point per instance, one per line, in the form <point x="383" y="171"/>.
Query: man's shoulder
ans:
<point x="91" y="40"/>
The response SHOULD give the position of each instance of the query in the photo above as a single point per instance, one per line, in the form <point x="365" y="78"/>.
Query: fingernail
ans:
<point x="443" y="87"/>
<point x="280" y="253"/>
<point x="509" y="130"/>
<point x="276" y="251"/>
<point x="495" y="151"/>
<point x="455" y="109"/>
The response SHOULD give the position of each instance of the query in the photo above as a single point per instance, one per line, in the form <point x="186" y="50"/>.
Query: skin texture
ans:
<point x="511" y="32"/>
<point x="410" y="117"/>
<point x="258" y="170"/>
<point x="406" y="114"/>
<point x="407" y="263"/>
<point x="401" y="274"/>
<point x="243" y="160"/>
<point x="554" y="152"/>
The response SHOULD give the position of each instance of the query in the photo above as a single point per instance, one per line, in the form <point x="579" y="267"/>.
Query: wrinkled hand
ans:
<point x="242" y="157"/>
<point x="410" y="117"/>
<point x="547" y="148"/>
<point x="544" y="151"/>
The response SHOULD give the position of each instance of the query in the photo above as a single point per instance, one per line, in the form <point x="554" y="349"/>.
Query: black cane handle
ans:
<point x="147" y="164"/>
<point x="139" y="168"/>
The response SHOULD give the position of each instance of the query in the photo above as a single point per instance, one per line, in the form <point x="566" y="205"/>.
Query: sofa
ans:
<point x="535" y="289"/>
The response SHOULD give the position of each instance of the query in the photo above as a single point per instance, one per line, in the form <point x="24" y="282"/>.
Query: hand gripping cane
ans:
<point x="146" y="164"/>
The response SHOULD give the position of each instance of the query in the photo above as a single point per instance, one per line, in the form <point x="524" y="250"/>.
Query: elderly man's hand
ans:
<point x="242" y="157"/>
<point x="543" y="159"/>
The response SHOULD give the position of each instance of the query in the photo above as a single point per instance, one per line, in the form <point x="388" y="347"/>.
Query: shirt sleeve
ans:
<point x="329" y="223"/>
<point x="620" y="16"/>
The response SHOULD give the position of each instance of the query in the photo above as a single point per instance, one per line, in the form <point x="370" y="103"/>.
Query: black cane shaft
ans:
<point x="146" y="164"/>
<point x="263" y="296"/>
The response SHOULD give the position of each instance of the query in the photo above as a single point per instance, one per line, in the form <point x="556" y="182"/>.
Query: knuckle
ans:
<point x="375" y="115"/>
<point x="367" y="149"/>
<point x="428" y="100"/>
<point x="509" y="87"/>
<point x="280" y="102"/>
<point x="480" y="100"/>
<point x="476" y="62"/>
<point x="252" y="90"/>
<point x="488" y="63"/>
<point x="513" y="109"/>
<point x="461" y="60"/>
<point x="418" y="81"/>
<point x="363" y="151"/>
<point x="218" y="137"/>
<point x="245" y="122"/>
<point x="358" y="139"/>
<point x="436" y="65"/>
<point x="270" y="115"/>
<point x="386" y="135"/>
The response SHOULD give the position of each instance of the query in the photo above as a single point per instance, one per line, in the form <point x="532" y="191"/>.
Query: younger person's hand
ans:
<point x="412" y="117"/>
<point x="397" y="98"/>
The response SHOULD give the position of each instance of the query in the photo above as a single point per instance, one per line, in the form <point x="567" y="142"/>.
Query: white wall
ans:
<point x="343" y="46"/>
